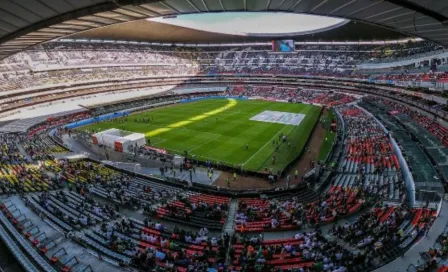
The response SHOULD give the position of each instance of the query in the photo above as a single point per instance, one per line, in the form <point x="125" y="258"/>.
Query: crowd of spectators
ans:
<point x="434" y="259"/>
<point x="431" y="124"/>
<point x="306" y="251"/>
<point x="17" y="173"/>
<point x="256" y="215"/>
<point x="369" y="162"/>
<point x="57" y="71"/>
<point x="312" y="96"/>
<point x="195" y="209"/>
<point x="42" y="65"/>
<point x="385" y="231"/>
<point x="151" y="244"/>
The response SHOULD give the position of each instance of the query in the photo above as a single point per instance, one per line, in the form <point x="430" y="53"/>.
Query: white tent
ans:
<point x="120" y="140"/>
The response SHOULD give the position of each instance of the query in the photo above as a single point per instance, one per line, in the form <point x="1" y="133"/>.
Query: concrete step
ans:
<point x="228" y="227"/>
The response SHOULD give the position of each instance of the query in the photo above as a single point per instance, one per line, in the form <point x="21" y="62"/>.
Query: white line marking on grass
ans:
<point x="158" y="142"/>
<point x="270" y="141"/>
<point x="206" y="142"/>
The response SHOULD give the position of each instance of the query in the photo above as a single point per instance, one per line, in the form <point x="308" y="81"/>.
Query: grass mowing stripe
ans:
<point x="183" y="128"/>
<point x="231" y="103"/>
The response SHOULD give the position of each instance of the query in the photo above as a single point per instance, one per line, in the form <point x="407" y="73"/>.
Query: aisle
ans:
<point x="413" y="255"/>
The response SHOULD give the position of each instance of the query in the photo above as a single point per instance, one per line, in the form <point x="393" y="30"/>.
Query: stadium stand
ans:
<point x="421" y="154"/>
<point x="124" y="219"/>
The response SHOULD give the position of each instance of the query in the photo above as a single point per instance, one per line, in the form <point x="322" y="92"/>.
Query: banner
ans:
<point x="155" y="149"/>
<point x="118" y="146"/>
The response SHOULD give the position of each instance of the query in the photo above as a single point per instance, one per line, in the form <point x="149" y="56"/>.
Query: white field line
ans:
<point x="158" y="142"/>
<point x="268" y="142"/>
<point x="206" y="142"/>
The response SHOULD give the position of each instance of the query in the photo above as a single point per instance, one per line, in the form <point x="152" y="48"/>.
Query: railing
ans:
<point x="416" y="56"/>
<point x="411" y="268"/>
<point x="434" y="246"/>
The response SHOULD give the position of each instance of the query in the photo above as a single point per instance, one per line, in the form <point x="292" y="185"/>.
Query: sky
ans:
<point x="245" y="23"/>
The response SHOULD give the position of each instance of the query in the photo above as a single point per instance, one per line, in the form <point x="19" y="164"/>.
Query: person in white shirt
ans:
<point x="203" y="232"/>
<point x="254" y="240"/>
<point x="298" y="236"/>
<point x="152" y="239"/>
<point x="340" y="269"/>
<point x="163" y="242"/>
<point x="83" y="221"/>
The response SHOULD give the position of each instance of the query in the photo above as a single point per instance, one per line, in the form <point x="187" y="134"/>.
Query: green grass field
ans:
<point x="219" y="129"/>
<point x="330" y="136"/>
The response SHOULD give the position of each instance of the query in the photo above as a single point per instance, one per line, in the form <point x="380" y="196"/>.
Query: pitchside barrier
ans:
<point x="297" y="131"/>
<point x="208" y="189"/>
<point x="332" y="171"/>
<point x="335" y="139"/>
<point x="97" y="119"/>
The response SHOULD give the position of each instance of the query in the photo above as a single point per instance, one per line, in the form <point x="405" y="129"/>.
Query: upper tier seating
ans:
<point x="433" y="126"/>
<point x="55" y="63"/>
<point x="368" y="161"/>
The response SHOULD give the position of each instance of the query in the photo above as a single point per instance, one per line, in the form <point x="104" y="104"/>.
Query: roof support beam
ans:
<point x="59" y="19"/>
<point x="415" y="7"/>
<point x="205" y="5"/>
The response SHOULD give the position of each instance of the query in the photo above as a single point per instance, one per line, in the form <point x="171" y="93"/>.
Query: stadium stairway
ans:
<point x="23" y="152"/>
<point x="51" y="240"/>
<point x="229" y="226"/>
<point x="422" y="245"/>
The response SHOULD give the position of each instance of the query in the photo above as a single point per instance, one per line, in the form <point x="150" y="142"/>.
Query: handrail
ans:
<point x="411" y="265"/>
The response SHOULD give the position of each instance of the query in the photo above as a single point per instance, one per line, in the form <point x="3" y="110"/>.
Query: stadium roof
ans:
<point x="157" y="31"/>
<point x="24" y="23"/>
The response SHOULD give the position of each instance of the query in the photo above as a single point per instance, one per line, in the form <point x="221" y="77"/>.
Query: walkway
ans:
<point x="199" y="176"/>
<point x="230" y="222"/>
<point x="73" y="249"/>
<point x="413" y="254"/>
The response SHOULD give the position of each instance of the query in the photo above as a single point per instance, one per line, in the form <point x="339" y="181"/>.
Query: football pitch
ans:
<point x="219" y="130"/>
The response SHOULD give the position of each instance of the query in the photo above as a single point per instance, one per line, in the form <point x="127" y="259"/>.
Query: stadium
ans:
<point x="224" y="135"/>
